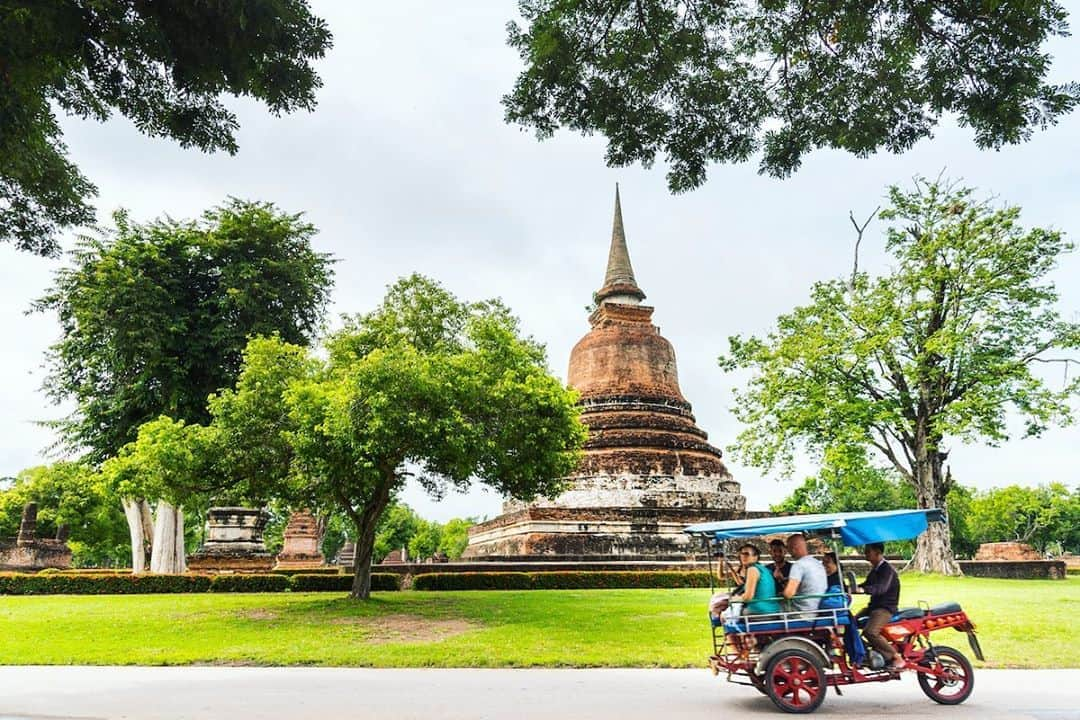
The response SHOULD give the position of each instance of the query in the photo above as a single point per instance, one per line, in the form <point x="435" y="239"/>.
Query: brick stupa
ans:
<point x="648" y="470"/>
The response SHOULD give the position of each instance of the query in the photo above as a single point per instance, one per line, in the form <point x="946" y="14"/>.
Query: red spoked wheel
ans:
<point x="956" y="679"/>
<point x="795" y="681"/>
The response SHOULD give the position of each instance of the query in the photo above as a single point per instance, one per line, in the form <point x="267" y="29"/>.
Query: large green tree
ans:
<point x="701" y="81"/>
<point x="940" y="349"/>
<point x="155" y="317"/>
<point x="429" y="387"/>
<point x="165" y="65"/>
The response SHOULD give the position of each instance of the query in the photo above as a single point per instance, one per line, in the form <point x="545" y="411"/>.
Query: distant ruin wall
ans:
<point x="1015" y="569"/>
<point x="38" y="555"/>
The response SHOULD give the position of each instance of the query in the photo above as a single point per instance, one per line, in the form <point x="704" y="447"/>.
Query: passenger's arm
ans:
<point x="791" y="589"/>
<point x="752" y="576"/>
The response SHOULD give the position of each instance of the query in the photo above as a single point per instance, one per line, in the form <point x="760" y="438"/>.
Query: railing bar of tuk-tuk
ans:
<point x="790" y="616"/>
<point x="758" y="623"/>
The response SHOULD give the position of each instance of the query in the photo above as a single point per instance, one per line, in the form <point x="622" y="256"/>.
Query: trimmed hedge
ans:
<point x="601" y="579"/>
<point x="249" y="583"/>
<point x="343" y="583"/>
<point x="561" y="580"/>
<point x="473" y="581"/>
<point x="100" y="584"/>
<point x="57" y="583"/>
<point x="125" y="584"/>
<point x="308" y="571"/>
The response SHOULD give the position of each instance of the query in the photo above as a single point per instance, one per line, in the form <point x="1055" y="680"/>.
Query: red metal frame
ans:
<point x="911" y="637"/>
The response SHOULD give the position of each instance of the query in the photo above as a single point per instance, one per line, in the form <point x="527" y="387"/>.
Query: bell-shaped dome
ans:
<point x="624" y="355"/>
<point x="638" y="420"/>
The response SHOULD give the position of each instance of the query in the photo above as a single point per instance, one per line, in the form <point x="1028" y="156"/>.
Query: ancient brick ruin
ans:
<point x="300" y="549"/>
<point x="648" y="470"/>
<point x="28" y="553"/>
<point x="1007" y="551"/>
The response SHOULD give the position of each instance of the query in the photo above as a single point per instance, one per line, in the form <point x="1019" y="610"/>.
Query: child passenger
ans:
<point x="832" y="568"/>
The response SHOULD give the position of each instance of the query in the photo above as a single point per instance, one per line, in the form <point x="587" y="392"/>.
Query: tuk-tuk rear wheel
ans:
<point x="795" y="681"/>
<point x="758" y="681"/>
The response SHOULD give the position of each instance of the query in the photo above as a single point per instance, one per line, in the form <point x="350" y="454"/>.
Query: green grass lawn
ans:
<point x="1022" y="623"/>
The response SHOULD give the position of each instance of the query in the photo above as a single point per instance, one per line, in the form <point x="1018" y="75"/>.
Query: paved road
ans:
<point x="52" y="693"/>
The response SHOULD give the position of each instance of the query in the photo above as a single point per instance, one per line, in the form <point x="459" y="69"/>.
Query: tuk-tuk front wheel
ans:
<point x="956" y="679"/>
<point x="795" y="681"/>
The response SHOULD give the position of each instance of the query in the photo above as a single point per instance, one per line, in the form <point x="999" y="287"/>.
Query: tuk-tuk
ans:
<point x="794" y="657"/>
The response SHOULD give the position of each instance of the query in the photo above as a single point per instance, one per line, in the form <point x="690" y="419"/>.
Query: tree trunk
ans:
<point x="366" y="522"/>
<point x="167" y="555"/>
<point x="933" y="549"/>
<point x="147" y="526"/>
<point x="365" y="549"/>
<point x="139" y="530"/>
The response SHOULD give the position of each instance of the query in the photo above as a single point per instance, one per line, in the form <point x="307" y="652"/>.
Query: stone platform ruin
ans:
<point x="1015" y="560"/>
<point x="647" y="470"/>
<point x="234" y="542"/>
<point x="29" y="553"/>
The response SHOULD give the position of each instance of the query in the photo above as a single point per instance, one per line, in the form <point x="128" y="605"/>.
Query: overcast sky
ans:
<point x="406" y="165"/>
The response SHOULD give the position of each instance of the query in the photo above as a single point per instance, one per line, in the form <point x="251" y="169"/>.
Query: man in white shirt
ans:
<point x="807" y="577"/>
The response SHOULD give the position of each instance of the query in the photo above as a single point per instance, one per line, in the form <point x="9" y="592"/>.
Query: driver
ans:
<point x="883" y="587"/>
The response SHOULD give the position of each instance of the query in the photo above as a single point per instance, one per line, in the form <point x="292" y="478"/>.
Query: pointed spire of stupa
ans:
<point x="620" y="286"/>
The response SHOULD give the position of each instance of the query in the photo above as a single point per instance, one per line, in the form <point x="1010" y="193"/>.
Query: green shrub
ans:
<point x="99" y="584"/>
<point x="473" y="581"/>
<point x="343" y="583"/>
<point x="249" y="583"/>
<point x="388" y="582"/>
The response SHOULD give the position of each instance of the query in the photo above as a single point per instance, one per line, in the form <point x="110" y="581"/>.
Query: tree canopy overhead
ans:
<point x="165" y="65"/>
<point x="703" y="81"/>
<point x="940" y="349"/>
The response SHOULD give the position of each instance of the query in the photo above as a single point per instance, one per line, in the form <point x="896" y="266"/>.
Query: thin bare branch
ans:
<point x="859" y="230"/>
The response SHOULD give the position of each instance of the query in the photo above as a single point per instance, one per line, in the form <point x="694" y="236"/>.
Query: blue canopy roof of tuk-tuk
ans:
<point x="855" y="528"/>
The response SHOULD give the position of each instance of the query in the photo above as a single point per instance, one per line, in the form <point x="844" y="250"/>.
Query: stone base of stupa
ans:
<point x="639" y="519"/>
<point x="248" y="562"/>
<point x="234" y="542"/>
